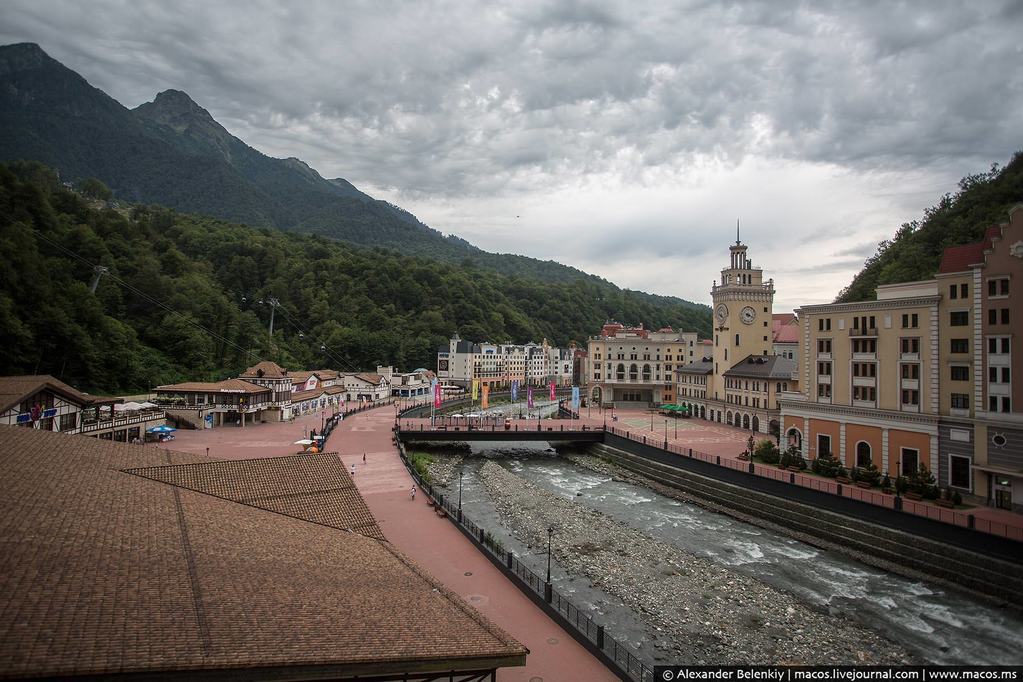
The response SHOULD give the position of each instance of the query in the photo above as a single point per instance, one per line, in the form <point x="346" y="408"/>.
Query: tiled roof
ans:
<point x="15" y="389"/>
<point x="316" y="488"/>
<point x="226" y="386"/>
<point x="763" y="367"/>
<point x="302" y="377"/>
<point x="367" y="377"/>
<point x="299" y="396"/>
<point x="960" y="258"/>
<point x="784" y="328"/>
<point x="698" y="367"/>
<point x="265" y="370"/>
<point x="106" y="572"/>
<point x="326" y="373"/>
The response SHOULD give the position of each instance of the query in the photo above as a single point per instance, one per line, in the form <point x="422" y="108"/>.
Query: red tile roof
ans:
<point x="106" y="572"/>
<point x="960" y="258"/>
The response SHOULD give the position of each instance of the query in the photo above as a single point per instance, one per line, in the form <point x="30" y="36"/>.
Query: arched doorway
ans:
<point x="745" y="421"/>
<point x="728" y="418"/>
<point x="863" y="454"/>
<point x="795" y="438"/>
<point x="756" y="423"/>
<point x="596" y="395"/>
<point x="703" y="412"/>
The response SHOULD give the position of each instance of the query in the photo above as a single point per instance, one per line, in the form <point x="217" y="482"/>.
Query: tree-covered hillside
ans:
<point x="961" y="218"/>
<point x="367" y="306"/>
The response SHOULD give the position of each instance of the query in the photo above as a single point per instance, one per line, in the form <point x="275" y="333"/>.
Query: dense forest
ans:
<point x="187" y="297"/>
<point x="914" y="253"/>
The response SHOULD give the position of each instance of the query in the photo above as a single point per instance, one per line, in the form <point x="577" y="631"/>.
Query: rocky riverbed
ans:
<point x="701" y="612"/>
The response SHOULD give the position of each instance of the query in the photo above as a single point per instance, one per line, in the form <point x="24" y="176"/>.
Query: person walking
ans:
<point x="353" y="470"/>
<point x="364" y="458"/>
<point x="413" y="493"/>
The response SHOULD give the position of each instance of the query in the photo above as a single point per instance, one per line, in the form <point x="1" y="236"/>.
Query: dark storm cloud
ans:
<point x="462" y="99"/>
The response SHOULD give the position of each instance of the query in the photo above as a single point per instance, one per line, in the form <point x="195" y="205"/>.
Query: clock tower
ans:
<point x="743" y="304"/>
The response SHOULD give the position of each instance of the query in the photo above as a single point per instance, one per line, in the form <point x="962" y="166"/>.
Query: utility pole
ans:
<point x="274" y="304"/>
<point x="98" y="271"/>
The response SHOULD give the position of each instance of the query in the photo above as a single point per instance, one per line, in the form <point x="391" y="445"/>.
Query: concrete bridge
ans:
<point x="491" y="432"/>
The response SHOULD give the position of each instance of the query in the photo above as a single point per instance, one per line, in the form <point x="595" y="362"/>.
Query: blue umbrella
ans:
<point x="163" y="428"/>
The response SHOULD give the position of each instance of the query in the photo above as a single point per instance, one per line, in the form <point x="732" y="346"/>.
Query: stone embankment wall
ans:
<point x="886" y="548"/>
<point x="702" y="613"/>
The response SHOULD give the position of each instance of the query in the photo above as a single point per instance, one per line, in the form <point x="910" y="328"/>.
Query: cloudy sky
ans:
<point x="622" y="138"/>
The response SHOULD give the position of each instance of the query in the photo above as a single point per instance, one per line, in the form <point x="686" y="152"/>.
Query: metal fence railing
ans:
<point x="621" y="655"/>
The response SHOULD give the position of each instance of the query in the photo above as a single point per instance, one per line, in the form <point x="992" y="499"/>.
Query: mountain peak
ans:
<point x="173" y="104"/>
<point x="23" y="57"/>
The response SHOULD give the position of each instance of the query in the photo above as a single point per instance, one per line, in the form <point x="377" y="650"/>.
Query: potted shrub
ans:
<point x="868" y="476"/>
<point x="945" y="499"/>
<point x="795" y="460"/>
<point x="767" y="452"/>
<point x="842" y="475"/>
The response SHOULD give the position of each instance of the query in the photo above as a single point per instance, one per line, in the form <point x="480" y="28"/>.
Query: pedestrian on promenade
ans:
<point x="353" y="470"/>
<point x="364" y="458"/>
<point x="413" y="493"/>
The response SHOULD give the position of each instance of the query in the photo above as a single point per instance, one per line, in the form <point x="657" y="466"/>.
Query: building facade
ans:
<point x="497" y="365"/>
<point x="633" y="366"/>
<point x="739" y="378"/>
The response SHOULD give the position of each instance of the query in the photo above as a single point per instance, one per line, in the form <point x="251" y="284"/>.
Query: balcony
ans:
<point x="909" y="357"/>
<point x="910" y="384"/>
<point x="119" y="422"/>
<point x="864" y="381"/>
<point x="823" y="378"/>
<point x="823" y="356"/>
<point x="863" y="332"/>
<point x="866" y="357"/>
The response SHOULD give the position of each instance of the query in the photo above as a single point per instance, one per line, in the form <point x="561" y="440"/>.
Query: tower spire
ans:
<point x="737" y="242"/>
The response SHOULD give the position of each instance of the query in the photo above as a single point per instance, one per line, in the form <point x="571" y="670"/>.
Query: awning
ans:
<point x="998" y="470"/>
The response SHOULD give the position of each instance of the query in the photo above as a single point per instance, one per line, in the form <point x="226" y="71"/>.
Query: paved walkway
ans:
<point x="433" y="542"/>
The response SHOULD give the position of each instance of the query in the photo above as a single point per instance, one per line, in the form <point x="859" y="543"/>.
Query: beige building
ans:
<point x="633" y="366"/>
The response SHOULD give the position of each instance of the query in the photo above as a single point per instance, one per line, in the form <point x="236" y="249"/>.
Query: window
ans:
<point x="823" y="345"/>
<point x="998" y="345"/>
<point x="910" y="345"/>
<point x="824" y="368"/>
<point x="621" y="372"/>
<point x="633" y="372"/>
<point x="864" y="345"/>
<point x="960" y="401"/>
<point x="824" y="324"/>
<point x="68" y="421"/>
<point x="998" y="287"/>
<point x="911" y="371"/>
<point x="824" y="391"/>
<point x="959" y="471"/>
<point x="960" y="372"/>
<point x="1005" y="316"/>
<point x="999" y="405"/>
<point x="910" y="397"/>
<point x="864" y="369"/>
<point x="864" y="393"/>
<point x="960" y="345"/>
<point x="953" y="291"/>
<point x="823" y="445"/>
<point x="736" y="339"/>
<point x="910" y="461"/>
<point x="863" y="454"/>
<point x="910" y="320"/>
<point x="959" y="318"/>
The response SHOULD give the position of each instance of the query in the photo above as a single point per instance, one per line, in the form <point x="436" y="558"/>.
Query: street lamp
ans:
<point x="550" y="534"/>
<point x="459" y="491"/>
<point x="665" y="430"/>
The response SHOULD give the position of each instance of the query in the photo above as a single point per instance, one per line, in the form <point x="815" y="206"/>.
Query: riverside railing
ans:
<point x="617" y="656"/>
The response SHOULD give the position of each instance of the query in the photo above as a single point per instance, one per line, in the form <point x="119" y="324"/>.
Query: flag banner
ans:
<point x="515" y="390"/>
<point x="552" y="391"/>
<point x="475" y="389"/>
<point x="436" y="394"/>
<point x="575" y="398"/>
<point x="529" y="397"/>
<point x="486" y="398"/>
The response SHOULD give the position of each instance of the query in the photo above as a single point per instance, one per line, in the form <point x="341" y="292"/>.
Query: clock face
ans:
<point x="721" y="312"/>
<point x="748" y="315"/>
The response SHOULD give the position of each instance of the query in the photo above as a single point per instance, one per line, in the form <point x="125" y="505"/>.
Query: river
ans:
<point x="938" y="625"/>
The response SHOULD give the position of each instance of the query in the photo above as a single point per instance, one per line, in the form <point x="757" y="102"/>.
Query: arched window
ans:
<point x="756" y="423"/>
<point x="621" y="372"/>
<point x="646" y="372"/>
<point x="795" y="438"/>
<point x="632" y="372"/>
<point x="745" y="421"/>
<point x="863" y="454"/>
<point x="728" y="418"/>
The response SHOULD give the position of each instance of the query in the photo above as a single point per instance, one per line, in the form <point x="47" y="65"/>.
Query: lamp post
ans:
<point x="550" y="535"/>
<point x="460" y="495"/>
<point x="665" y="431"/>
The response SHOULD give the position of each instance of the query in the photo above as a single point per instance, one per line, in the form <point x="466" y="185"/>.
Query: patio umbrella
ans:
<point x="304" y="441"/>
<point x="147" y="405"/>
<point x="163" y="428"/>
<point x="130" y="406"/>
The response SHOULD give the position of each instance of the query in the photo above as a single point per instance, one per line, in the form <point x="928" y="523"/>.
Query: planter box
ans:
<point x="864" y="485"/>
<point x="947" y="504"/>
<point x="843" y="480"/>
<point x="796" y="469"/>
<point x="914" y="496"/>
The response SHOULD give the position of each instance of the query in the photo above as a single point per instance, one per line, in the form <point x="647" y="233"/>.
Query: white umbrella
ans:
<point x="131" y="406"/>
<point x="458" y="415"/>
<point x="304" y="441"/>
<point x="147" y="405"/>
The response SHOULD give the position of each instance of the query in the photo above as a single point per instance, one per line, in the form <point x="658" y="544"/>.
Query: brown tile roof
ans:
<point x="368" y="377"/>
<point x="226" y="386"/>
<point x="784" y="328"/>
<point x="14" y="389"/>
<point x="299" y="396"/>
<point x="326" y="373"/>
<point x="266" y="370"/>
<point x="105" y="572"/>
<point x="316" y="488"/>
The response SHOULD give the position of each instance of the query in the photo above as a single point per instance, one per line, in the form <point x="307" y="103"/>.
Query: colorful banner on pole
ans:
<point x="486" y="398"/>
<point x="436" y="393"/>
<point x="475" y="389"/>
<point x="552" y="391"/>
<point x="529" y="397"/>
<point x="575" y="398"/>
<point x="515" y="390"/>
